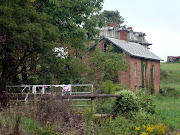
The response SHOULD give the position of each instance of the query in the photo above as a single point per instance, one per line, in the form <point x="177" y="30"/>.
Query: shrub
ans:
<point x="106" y="106"/>
<point x="146" y="102"/>
<point x="108" y="87"/>
<point x="144" y="124"/>
<point x="128" y="103"/>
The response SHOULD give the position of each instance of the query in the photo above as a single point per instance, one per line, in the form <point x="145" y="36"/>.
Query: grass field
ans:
<point x="170" y="76"/>
<point x="168" y="104"/>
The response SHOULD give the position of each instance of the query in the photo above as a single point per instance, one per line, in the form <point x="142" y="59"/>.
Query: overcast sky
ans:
<point x="159" y="19"/>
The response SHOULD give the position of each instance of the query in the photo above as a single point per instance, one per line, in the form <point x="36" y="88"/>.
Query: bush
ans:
<point x="108" y="87"/>
<point x="106" y="106"/>
<point x="131" y="103"/>
<point x="146" y="102"/>
<point x="128" y="103"/>
<point x="144" y="123"/>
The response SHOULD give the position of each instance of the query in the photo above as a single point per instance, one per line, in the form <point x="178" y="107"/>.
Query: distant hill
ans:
<point x="170" y="78"/>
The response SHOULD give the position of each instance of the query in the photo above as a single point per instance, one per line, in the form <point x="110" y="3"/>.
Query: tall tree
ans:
<point x="31" y="29"/>
<point x="112" y="17"/>
<point x="105" y="65"/>
<point x="25" y="35"/>
<point x="76" y="19"/>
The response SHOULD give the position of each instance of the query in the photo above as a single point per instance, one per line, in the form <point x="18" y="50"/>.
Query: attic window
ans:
<point x="104" y="47"/>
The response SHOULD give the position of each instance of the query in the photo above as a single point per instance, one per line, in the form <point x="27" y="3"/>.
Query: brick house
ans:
<point x="144" y="69"/>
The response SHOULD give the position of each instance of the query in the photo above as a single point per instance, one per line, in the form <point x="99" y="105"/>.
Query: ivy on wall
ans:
<point x="144" y="77"/>
<point x="145" y="84"/>
<point x="152" y="88"/>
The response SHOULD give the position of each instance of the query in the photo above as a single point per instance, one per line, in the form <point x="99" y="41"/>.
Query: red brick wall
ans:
<point x="128" y="78"/>
<point x="124" y="77"/>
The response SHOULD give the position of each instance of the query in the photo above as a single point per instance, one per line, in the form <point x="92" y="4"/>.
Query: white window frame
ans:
<point x="135" y="70"/>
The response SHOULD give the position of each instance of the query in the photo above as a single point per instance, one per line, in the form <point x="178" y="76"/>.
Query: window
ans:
<point x="153" y="71"/>
<point x="144" y="71"/>
<point x="135" y="70"/>
<point x="104" y="47"/>
<point x="135" y="89"/>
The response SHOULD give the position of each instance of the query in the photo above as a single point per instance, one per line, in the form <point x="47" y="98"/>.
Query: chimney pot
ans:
<point x="112" y="25"/>
<point x="130" y="28"/>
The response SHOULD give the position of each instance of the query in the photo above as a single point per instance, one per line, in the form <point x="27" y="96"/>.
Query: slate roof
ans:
<point x="134" y="49"/>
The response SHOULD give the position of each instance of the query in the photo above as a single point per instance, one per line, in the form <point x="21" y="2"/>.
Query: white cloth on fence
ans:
<point x="66" y="88"/>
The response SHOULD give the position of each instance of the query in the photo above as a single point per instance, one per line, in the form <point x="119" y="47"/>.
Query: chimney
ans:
<point x="130" y="28"/>
<point x="112" y="24"/>
<point x="123" y="34"/>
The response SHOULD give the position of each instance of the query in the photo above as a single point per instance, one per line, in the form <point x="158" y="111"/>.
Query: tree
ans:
<point x="25" y="35"/>
<point x="113" y="17"/>
<point x="30" y="30"/>
<point x="57" y="70"/>
<point x="76" y="20"/>
<point x="105" y="65"/>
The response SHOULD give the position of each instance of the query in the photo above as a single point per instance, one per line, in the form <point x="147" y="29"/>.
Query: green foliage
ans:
<point x="105" y="65"/>
<point x="168" y="101"/>
<point x="108" y="87"/>
<point x="168" y="110"/>
<point x="56" y="70"/>
<point x="128" y="103"/>
<point x="88" y="119"/>
<point x="106" y="106"/>
<point x="49" y="130"/>
<point x="26" y="36"/>
<point x="144" y="78"/>
<point x="147" y="103"/>
<point x="143" y="122"/>
<point x="170" y="78"/>
<point x="31" y="126"/>
<point x="151" y="81"/>
<point x="76" y="20"/>
<point x="112" y="17"/>
<point x="30" y="30"/>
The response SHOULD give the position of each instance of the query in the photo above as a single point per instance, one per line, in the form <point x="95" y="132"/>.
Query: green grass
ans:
<point x="168" y="104"/>
<point x="170" y="75"/>
<point x="168" y="108"/>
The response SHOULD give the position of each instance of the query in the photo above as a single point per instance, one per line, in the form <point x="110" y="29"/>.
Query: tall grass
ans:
<point x="170" y="77"/>
<point x="51" y="116"/>
<point x="168" y="102"/>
